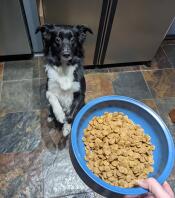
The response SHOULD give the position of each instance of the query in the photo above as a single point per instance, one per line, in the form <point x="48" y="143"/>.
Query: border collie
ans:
<point x="63" y="50"/>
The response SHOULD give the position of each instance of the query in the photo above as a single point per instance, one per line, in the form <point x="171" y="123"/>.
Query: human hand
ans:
<point x="155" y="189"/>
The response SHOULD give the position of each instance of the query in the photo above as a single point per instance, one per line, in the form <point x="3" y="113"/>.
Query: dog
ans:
<point x="66" y="86"/>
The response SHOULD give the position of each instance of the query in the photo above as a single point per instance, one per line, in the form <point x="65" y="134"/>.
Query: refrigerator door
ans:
<point x="73" y="12"/>
<point x="13" y="34"/>
<point x="138" y="29"/>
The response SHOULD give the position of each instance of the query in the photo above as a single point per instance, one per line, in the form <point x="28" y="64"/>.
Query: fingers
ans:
<point x="153" y="186"/>
<point x="168" y="189"/>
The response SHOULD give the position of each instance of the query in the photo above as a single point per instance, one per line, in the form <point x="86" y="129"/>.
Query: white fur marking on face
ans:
<point x="66" y="129"/>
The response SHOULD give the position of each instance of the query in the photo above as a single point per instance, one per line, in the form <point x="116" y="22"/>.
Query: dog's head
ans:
<point x="63" y="42"/>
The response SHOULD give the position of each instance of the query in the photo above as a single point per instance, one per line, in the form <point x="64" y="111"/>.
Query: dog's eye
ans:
<point x="57" y="39"/>
<point x="72" y="40"/>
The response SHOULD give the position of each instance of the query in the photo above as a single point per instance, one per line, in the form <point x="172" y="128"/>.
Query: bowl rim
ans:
<point x="115" y="189"/>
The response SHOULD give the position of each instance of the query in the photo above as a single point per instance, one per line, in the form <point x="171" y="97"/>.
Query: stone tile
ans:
<point x="0" y="90"/>
<point x="16" y="96"/>
<point x="50" y="137"/>
<point x="125" y="68"/>
<point x="22" y="175"/>
<point x="6" y="162"/>
<point x="164" y="107"/>
<point x="160" y="61"/>
<point x="170" y="52"/>
<point x="151" y="103"/>
<point x="131" y="84"/>
<point x="161" y="82"/>
<point x="98" y="84"/>
<point x="41" y="63"/>
<point x="1" y="71"/>
<point x="99" y="70"/>
<point x="35" y="95"/>
<point x="43" y="99"/>
<point x="60" y="178"/>
<point x="18" y="70"/>
<point x="19" y="131"/>
<point x="20" y="95"/>
<point x="172" y="184"/>
<point x="82" y="195"/>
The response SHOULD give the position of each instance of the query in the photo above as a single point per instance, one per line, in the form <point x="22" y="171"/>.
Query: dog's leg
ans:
<point x="66" y="129"/>
<point x="77" y="104"/>
<point x="57" y="109"/>
<point x="50" y="117"/>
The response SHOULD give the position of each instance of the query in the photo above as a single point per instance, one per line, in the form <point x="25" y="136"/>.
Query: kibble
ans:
<point x="117" y="150"/>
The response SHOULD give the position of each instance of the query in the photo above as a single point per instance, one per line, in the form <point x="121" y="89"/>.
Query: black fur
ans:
<point x="65" y="43"/>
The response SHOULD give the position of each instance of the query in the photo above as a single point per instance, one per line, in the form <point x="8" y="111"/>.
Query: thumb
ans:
<point x="154" y="187"/>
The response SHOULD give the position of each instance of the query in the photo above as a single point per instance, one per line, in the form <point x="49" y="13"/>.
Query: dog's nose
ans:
<point x="66" y="55"/>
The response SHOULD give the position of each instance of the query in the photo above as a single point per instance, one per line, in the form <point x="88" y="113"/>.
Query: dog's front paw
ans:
<point x="66" y="129"/>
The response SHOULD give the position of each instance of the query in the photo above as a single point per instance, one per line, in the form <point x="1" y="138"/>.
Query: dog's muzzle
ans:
<point x="66" y="53"/>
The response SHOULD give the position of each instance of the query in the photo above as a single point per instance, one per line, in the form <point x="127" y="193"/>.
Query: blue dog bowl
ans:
<point x="139" y="113"/>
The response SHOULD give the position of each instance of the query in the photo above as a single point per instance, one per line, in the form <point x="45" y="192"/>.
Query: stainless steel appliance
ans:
<point x="138" y="29"/>
<point x="124" y="31"/>
<point x="14" y="38"/>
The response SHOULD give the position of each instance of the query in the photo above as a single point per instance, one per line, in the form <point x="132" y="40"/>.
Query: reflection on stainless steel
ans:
<point x="13" y="35"/>
<point x="138" y="29"/>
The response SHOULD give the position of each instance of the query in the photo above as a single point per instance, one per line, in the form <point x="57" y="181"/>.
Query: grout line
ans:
<point x="72" y="194"/>
<point x="22" y="111"/>
<point x="30" y="79"/>
<point x="167" y="57"/>
<point x="147" y="85"/>
<point x="39" y="66"/>
<point x="1" y="91"/>
<point x="2" y="82"/>
<point x="157" y="107"/>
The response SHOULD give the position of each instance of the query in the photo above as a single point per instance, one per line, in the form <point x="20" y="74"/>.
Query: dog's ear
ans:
<point x="45" y="30"/>
<point x="82" y="31"/>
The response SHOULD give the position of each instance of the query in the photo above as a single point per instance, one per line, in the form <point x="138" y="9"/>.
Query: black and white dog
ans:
<point x="63" y="49"/>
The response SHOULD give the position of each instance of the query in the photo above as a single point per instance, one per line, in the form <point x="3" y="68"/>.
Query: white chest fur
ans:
<point x="61" y="84"/>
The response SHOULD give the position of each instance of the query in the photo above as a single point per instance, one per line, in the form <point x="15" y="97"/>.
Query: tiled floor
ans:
<point x="30" y="164"/>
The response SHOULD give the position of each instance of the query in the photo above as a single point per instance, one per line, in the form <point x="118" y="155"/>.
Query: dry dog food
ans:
<point x="117" y="150"/>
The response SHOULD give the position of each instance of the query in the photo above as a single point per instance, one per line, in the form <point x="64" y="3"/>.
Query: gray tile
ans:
<point x="131" y="84"/>
<point x="170" y="52"/>
<point x="16" y="96"/>
<point x="99" y="70"/>
<point x="82" y="195"/>
<point x="18" y="70"/>
<point x="20" y="96"/>
<point x="60" y="178"/>
<point x="36" y="98"/>
<point x="1" y="71"/>
<point x="172" y="184"/>
<point x="43" y="99"/>
<point x="42" y="63"/>
<point x="0" y="90"/>
<point x="19" y="131"/>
